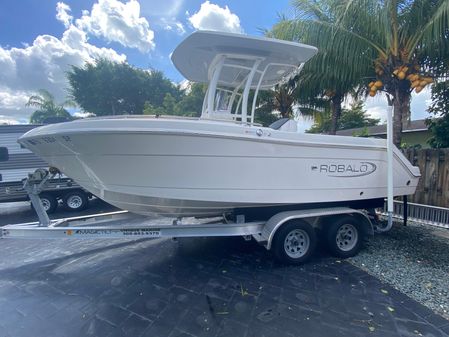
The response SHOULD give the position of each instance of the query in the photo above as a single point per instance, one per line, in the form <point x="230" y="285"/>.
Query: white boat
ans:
<point x="222" y="161"/>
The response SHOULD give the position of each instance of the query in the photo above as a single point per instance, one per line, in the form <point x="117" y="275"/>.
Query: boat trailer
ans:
<point x="292" y="235"/>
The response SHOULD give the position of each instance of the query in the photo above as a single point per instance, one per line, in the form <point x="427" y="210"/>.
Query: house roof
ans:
<point x="379" y="130"/>
<point x="17" y="128"/>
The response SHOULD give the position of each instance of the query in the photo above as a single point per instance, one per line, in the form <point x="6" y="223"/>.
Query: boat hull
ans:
<point x="204" y="168"/>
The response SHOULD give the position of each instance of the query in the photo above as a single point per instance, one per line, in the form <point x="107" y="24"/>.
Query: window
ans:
<point x="4" y="155"/>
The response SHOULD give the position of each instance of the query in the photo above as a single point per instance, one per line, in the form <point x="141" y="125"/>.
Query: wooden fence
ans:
<point x="433" y="187"/>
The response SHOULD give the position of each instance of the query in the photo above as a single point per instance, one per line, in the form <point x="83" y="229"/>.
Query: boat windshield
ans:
<point x="232" y="79"/>
<point x="224" y="100"/>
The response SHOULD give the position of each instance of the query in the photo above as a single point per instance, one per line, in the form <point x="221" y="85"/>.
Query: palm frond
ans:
<point x="43" y="98"/>
<point x="433" y="37"/>
<point x="46" y="95"/>
<point x="367" y="20"/>
<point x="35" y="101"/>
<point x="313" y="10"/>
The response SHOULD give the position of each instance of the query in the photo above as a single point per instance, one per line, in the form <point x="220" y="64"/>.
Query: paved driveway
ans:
<point x="193" y="287"/>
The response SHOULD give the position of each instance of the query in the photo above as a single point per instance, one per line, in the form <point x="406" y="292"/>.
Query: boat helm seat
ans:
<point x="284" y="124"/>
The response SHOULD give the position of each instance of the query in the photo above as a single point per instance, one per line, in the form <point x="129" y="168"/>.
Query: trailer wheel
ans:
<point x="344" y="237"/>
<point x="75" y="201"/>
<point x="49" y="202"/>
<point x="294" y="242"/>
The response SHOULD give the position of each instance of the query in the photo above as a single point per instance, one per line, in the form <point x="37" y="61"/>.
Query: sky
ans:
<point x="40" y="40"/>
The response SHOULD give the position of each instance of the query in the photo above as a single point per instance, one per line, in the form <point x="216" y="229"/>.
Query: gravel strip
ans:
<point x="414" y="260"/>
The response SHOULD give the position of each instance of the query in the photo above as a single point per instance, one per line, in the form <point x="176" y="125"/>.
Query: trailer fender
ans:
<point x="277" y="220"/>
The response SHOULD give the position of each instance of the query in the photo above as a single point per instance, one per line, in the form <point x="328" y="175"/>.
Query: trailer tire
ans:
<point x="75" y="201"/>
<point x="344" y="237"/>
<point x="49" y="202"/>
<point x="294" y="242"/>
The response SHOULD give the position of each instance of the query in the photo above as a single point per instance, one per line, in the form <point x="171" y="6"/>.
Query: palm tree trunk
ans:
<point x="401" y="118"/>
<point x="282" y="103"/>
<point x="336" y="112"/>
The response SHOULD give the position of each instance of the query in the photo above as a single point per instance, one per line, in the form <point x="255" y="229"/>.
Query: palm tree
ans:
<point x="322" y="85"/>
<point x="282" y="98"/>
<point x="399" y="42"/>
<point x="46" y="107"/>
<point x="354" y="117"/>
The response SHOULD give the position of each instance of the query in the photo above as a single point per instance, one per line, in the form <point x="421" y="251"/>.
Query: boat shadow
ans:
<point x="143" y="255"/>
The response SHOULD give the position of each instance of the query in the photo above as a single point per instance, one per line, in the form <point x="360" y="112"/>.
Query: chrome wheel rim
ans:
<point x="74" y="201"/>
<point x="347" y="237"/>
<point x="45" y="204"/>
<point x="296" y="243"/>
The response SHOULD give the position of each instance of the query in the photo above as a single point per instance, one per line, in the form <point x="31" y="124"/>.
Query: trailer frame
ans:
<point x="123" y="224"/>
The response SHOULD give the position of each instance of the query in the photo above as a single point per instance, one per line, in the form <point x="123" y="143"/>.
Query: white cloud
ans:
<point x="304" y="123"/>
<point x="80" y="114"/>
<point x="213" y="17"/>
<point x="420" y="103"/>
<point x="62" y="14"/>
<point x="180" y="27"/>
<point x="15" y="115"/>
<point x="12" y="107"/>
<point x="43" y="64"/>
<point x="172" y="25"/>
<point x="185" y="84"/>
<point x="165" y="8"/>
<point x="119" y="22"/>
<point x="164" y="15"/>
<point x="12" y="100"/>
<point x="7" y="120"/>
<point x="377" y="106"/>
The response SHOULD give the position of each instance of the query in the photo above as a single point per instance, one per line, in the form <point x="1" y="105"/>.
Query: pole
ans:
<point x="390" y="165"/>
<point x="405" y="215"/>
